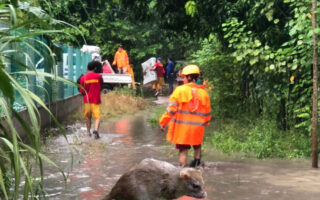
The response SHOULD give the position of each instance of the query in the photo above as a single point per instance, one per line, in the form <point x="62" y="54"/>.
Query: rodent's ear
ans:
<point x="200" y="169"/>
<point x="184" y="173"/>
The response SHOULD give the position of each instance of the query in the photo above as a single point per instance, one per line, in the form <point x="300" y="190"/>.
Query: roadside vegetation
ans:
<point x="22" y="26"/>
<point x="121" y="101"/>
<point x="153" y="119"/>
<point x="259" y="138"/>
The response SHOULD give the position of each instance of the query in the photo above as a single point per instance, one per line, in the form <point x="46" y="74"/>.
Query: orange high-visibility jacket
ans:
<point x="130" y="71"/>
<point x="121" y="59"/>
<point x="189" y="112"/>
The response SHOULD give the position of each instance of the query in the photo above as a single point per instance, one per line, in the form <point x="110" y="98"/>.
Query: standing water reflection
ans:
<point x="98" y="164"/>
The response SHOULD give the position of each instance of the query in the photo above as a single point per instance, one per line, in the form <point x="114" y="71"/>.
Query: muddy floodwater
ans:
<point x="98" y="164"/>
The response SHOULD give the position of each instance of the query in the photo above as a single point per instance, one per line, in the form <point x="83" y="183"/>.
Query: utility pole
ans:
<point x="315" y="89"/>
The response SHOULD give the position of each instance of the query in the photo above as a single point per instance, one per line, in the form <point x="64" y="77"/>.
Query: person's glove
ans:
<point x="163" y="128"/>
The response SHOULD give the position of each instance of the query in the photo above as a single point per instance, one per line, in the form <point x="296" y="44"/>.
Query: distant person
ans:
<point x="97" y="57"/>
<point x="91" y="82"/>
<point x="98" y="68"/>
<point x="121" y="60"/>
<point x="158" y="67"/>
<point x="188" y="113"/>
<point x="170" y="74"/>
<point x="130" y="71"/>
<point x="200" y="79"/>
<point x="179" y="77"/>
<point x="106" y="67"/>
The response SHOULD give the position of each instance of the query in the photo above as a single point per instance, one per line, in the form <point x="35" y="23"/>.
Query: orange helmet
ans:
<point x="190" y="69"/>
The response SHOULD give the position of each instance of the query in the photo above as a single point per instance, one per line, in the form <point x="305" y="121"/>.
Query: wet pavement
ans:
<point x="98" y="164"/>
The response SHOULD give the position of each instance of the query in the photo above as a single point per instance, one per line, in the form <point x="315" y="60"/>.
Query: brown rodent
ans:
<point x="153" y="179"/>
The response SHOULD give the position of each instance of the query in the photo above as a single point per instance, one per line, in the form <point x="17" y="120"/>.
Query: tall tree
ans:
<point x="315" y="89"/>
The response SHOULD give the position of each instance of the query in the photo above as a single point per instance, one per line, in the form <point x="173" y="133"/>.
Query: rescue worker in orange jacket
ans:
<point x="130" y="71"/>
<point x="121" y="60"/>
<point x="188" y="113"/>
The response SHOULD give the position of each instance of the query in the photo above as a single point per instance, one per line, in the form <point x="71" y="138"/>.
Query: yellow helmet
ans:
<point x="190" y="69"/>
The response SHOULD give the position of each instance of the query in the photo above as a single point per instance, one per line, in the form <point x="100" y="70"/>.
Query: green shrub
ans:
<point x="125" y="91"/>
<point x="153" y="120"/>
<point x="261" y="138"/>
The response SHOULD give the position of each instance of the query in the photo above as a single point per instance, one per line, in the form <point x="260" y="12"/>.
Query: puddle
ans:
<point x="98" y="164"/>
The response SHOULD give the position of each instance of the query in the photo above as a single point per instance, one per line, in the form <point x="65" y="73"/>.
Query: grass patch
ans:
<point x="261" y="139"/>
<point x="153" y="120"/>
<point x="115" y="103"/>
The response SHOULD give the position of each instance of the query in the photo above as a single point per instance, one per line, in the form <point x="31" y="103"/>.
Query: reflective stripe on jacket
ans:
<point x="121" y="59"/>
<point x="188" y="113"/>
<point x="91" y="83"/>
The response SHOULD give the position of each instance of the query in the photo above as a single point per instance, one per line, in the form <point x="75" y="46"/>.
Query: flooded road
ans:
<point x="98" y="164"/>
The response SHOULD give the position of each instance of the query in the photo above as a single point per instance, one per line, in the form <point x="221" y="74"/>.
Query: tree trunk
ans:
<point x="315" y="90"/>
<point x="282" y="116"/>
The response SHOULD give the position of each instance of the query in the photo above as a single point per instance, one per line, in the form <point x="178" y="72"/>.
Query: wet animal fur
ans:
<point x="154" y="179"/>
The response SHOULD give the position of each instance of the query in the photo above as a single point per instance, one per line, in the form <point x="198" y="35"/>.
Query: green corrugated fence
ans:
<point x="70" y="64"/>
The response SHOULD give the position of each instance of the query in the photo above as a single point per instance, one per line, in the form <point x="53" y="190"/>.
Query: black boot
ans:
<point x="195" y="163"/>
<point x="96" y="134"/>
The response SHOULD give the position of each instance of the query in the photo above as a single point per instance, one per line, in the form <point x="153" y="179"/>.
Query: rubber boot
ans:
<point x="96" y="134"/>
<point x="195" y="163"/>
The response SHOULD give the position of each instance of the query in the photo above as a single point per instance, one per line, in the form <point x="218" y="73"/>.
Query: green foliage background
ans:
<point x="134" y="24"/>
<point x="256" y="54"/>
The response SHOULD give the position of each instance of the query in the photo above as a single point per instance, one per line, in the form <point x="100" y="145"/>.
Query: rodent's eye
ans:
<point x="195" y="185"/>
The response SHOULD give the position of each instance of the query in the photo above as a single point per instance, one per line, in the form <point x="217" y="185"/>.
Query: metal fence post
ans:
<point x="82" y="62"/>
<point x="47" y="64"/>
<point x="85" y="61"/>
<point x="78" y="66"/>
<point x="48" y="81"/>
<point x="32" y="80"/>
<point x="60" y="84"/>
<point x="70" y="70"/>
<point x="59" y="68"/>
<point x="30" y="62"/>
